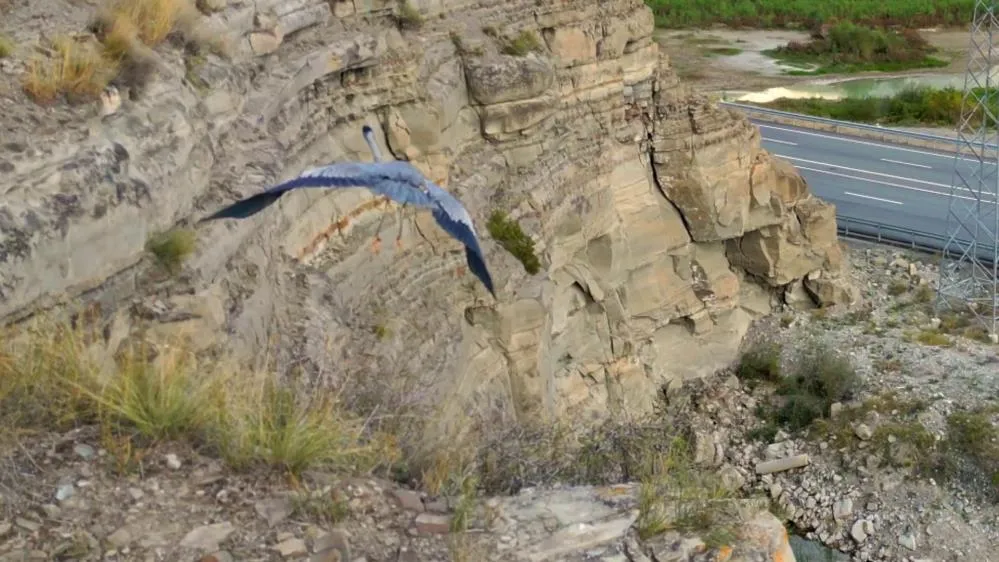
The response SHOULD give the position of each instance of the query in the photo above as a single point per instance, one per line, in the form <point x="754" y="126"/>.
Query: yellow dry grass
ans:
<point x="128" y="28"/>
<point x="77" y="69"/>
<point x="53" y="376"/>
<point x="150" y="20"/>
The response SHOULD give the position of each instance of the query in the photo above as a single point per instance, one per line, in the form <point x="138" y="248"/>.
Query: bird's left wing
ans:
<point x="397" y="180"/>
<point x="451" y="215"/>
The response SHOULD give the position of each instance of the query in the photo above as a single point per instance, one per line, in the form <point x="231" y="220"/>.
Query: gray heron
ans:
<point x="397" y="180"/>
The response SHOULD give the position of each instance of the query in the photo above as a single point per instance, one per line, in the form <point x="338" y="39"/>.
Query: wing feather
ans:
<point x="452" y="217"/>
<point x="397" y="180"/>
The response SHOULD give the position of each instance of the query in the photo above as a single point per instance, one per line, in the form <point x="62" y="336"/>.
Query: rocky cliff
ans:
<point x="661" y="226"/>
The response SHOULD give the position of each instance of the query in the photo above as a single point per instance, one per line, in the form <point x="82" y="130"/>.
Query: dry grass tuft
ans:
<point x="77" y="69"/>
<point x="52" y="377"/>
<point x="126" y="31"/>
<point x="151" y="21"/>
<point x="675" y="494"/>
<point x="172" y="247"/>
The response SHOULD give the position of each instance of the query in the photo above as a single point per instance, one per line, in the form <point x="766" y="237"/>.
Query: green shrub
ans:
<point x="172" y="247"/>
<point x="525" y="42"/>
<point x="760" y="363"/>
<point x="915" y="106"/>
<point x="507" y="233"/>
<point x="820" y="377"/>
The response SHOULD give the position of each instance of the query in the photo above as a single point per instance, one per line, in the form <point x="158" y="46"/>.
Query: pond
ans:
<point x="854" y="88"/>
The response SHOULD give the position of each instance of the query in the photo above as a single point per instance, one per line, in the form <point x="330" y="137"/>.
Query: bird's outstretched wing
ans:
<point x="451" y="215"/>
<point x="397" y="180"/>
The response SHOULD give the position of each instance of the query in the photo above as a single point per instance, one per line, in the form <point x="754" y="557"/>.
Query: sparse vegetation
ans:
<point x="915" y="106"/>
<point x="408" y="16"/>
<point x="760" y="362"/>
<point x="6" y="46"/>
<point x="898" y="287"/>
<point x="124" y="30"/>
<point x="77" y="69"/>
<point x="819" y="378"/>
<point x="675" y="495"/>
<point x="933" y="338"/>
<point x="172" y="247"/>
<point x="808" y="13"/>
<point x="846" y="47"/>
<point x="525" y="42"/>
<point x="923" y="294"/>
<point x="507" y="233"/>
<point x="324" y="505"/>
<point x="462" y="48"/>
<point x="723" y="51"/>
<point x="51" y="380"/>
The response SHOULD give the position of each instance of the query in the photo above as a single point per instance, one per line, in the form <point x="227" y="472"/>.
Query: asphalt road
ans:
<point x="892" y="185"/>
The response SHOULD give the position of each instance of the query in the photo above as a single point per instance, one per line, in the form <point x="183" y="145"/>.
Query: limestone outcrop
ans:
<point x="662" y="227"/>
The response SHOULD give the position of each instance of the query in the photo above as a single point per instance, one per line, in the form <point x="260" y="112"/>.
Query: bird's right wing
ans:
<point x="451" y="215"/>
<point x="397" y="180"/>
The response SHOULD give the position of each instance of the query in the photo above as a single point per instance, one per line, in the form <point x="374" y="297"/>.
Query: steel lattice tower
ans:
<point x="968" y="265"/>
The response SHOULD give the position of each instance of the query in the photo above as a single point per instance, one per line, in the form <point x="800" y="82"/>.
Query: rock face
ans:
<point x="662" y="227"/>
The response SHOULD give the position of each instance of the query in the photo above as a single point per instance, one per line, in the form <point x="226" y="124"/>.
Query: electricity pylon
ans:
<point x="968" y="265"/>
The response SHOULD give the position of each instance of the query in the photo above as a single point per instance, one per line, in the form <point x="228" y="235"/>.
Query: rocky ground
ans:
<point x="76" y="496"/>
<point x="853" y="495"/>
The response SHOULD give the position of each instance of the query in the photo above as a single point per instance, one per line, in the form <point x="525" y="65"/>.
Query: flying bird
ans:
<point x="393" y="179"/>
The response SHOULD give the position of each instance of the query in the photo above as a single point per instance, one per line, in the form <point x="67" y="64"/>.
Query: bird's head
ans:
<point x="369" y="137"/>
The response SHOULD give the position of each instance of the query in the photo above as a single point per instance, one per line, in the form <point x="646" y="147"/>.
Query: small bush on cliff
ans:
<point x="507" y="233"/>
<point x="6" y="46"/>
<point x="172" y="247"/>
<point x="408" y="16"/>
<point x="525" y="42"/>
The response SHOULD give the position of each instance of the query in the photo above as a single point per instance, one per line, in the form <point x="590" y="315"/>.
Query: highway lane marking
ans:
<point x="880" y="145"/>
<point x="907" y="163"/>
<point x="872" y="197"/>
<point x="782" y="142"/>
<point x="894" y="177"/>
<point x="909" y="187"/>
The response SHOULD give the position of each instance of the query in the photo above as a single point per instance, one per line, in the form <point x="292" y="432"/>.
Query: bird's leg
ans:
<point x="402" y="216"/>
<point x="376" y="244"/>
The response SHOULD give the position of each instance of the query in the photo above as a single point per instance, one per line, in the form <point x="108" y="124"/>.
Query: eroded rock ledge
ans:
<point x="662" y="226"/>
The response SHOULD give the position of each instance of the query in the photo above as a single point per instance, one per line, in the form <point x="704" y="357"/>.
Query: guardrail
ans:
<point x="870" y="231"/>
<point x="896" y="136"/>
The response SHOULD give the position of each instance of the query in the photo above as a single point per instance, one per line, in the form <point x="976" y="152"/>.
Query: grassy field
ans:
<point x="919" y="106"/>
<point x="852" y="48"/>
<point x="795" y="13"/>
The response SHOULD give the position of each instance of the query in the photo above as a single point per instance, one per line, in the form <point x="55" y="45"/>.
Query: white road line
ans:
<point x="903" y="178"/>
<point x="910" y="188"/>
<point x="872" y="197"/>
<point x="782" y="142"/>
<point x="907" y="163"/>
<point x="880" y="145"/>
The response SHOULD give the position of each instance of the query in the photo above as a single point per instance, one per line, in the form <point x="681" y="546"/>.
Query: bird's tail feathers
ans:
<point x="478" y="267"/>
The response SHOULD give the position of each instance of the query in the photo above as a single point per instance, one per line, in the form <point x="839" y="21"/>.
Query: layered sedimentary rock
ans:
<point x="661" y="226"/>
